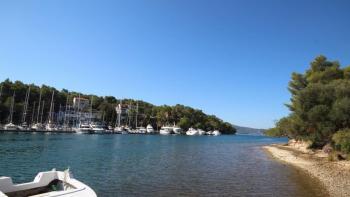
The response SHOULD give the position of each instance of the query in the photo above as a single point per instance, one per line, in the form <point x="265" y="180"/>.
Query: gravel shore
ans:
<point x="334" y="176"/>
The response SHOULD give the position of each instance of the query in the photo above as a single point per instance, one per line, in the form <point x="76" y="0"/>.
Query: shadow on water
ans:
<point x="139" y="165"/>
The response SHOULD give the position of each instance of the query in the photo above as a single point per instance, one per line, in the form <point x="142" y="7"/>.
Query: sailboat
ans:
<point x="119" y="129"/>
<point x="10" y="126"/>
<point x="83" y="127"/>
<point x="50" y="126"/>
<point x="24" y="125"/>
<point x="38" y="126"/>
<point x="96" y="127"/>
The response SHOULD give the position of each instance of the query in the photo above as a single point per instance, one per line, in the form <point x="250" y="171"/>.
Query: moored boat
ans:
<point x="192" y="131"/>
<point x="150" y="129"/>
<point x="201" y="132"/>
<point x="51" y="183"/>
<point x="83" y="128"/>
<point x="11" y="127"/>
<point x="141" y="130"/>
<point x="166" y="130"/>
<point x="97" y="127"/>
<point x="177" y="130"/>
<point x="216" y="133"/>
<point x="37" y="127"/>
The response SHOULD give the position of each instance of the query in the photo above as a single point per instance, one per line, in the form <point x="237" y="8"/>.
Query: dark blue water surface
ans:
<point x="152" y="165"/>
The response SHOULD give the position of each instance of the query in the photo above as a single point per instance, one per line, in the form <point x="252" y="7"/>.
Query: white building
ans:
<point x="81" y="103"/>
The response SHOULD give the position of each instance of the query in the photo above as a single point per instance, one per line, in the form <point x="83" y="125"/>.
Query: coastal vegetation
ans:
<point x="319" y="106"/>
<point x="147" y="113"/>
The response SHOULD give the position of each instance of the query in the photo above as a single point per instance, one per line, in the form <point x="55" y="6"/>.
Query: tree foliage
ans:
<point x="319" y="104"/>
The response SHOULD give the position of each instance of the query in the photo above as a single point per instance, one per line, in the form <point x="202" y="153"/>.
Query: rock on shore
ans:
<point x="335" y="176"/>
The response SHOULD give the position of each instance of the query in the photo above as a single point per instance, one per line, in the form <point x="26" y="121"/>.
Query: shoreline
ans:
<point x="333" y="175"/>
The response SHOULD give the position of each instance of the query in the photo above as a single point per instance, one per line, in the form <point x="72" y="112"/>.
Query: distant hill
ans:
<point x="249" y="131"/>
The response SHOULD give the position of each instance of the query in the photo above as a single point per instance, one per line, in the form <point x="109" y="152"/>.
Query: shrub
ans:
<point x="341" y="140"/>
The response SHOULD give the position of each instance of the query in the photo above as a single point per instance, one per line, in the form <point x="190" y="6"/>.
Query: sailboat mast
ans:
<point x="37" y="115"/>
<point x="119" y="112"/>
<point x="65" y="111"/>
<point x="33" y="112"/>
<point x="129" y="117"/>
<point x="91" y="109"/>
<point x="0" y="98"/>
<point x="0" y="92"/>
<point x="25" y="107"/>
<point x="12" y="105"/>
<point x="137" y="113"/>
<point x="51" y="107"/>
<point x="78" y="109"/>
<point x="42" y="112"/>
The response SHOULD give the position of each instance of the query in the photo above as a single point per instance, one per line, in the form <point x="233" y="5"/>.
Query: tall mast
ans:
<point x="42" y="112"/>
<point x="12" y="104"/>
<point x="0" y="92"/>
<point x="91" y="109"/>
<point x="51" y="107"/>
<point x="0" y="98"/>
<point x="33" y="112"/>
<point x="25" y="107"/>
<point x="129" y="112"/>
<point x="79" y="109"/>
<point x="37" y="115"/>
<point x="119" y="112"/>
<point x="65" y="112"/>
<point x="137" y="113"/>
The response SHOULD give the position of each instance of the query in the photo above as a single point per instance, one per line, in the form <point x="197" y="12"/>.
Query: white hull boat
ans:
<point x="192" y="131"/>
<point x="216" y="133"/>
<point x="150" y="129"/>
<point x="201" y="132"/>
<point x="83" y="129"/>
<point x="177" y="130"/>
<point x="97" y="128"/>
<point x="141" y="130"/>
<point x="166" y="130"/>
<point x="50" y="127"/>
<point x="51" y="183"/>
<point x="37" y="127"/>
<point x="11" y="127"/>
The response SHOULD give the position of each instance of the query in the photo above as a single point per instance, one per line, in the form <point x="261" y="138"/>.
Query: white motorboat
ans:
<point x="51" y="183"/>
<point x="83" y="128"/>
<point x="209" y="133"/>
<point x="11" y="127"/>
<point x="165" y="130"/>
<point x="23" y="127"/>
<point x="120" y="130"/>
<point x="37" y="127"/>
<point x="192" y="131"/>
<point x="50" y="127"/>
<point x="201" y="132"/>
<point x="216" y="133"/>
<point x="150" y="129"/>
<point x="97" y="128"/>
<point x="177" y="130"/>
<point x="141" y="130"/>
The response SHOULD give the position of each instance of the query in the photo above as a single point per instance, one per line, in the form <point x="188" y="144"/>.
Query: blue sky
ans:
<point x="227" y="57"/>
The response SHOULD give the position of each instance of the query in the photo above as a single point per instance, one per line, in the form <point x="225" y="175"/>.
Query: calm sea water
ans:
<point x="143" y="165"/>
